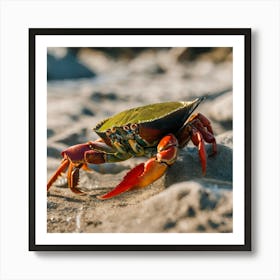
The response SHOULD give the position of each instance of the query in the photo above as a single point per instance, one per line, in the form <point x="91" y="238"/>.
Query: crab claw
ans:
<point x="140" y="176"/>
<point x="146" y="173"/>
<point x="76" y="157"/>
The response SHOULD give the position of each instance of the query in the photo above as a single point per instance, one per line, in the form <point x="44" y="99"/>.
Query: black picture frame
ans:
<point x="246" y="33"/>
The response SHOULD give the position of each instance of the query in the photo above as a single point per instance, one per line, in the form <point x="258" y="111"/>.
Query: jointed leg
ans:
<point x="197" y="139"/>
<point x="200" y="122"/>
<point x="78" y="156"/>
<point x="61" y="169"/>
<point x="198" y="129"/>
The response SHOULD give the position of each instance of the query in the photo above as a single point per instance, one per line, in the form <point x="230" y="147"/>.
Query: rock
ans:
<point x="188" y="166"/>
<point x="86" y="111"/>
<point x="101" y="96"/>
<point x="66" y="66"/>
<point x="189" y="54"/>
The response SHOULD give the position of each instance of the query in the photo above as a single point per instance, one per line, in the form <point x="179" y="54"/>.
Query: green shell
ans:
<point x="146" y="114"/>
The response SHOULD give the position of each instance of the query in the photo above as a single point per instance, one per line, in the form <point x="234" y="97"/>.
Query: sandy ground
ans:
<point x="182" y="200"/>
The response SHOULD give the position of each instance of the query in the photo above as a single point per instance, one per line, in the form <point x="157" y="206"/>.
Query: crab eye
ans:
<point x="133" y="126"/>
<point x="113" y="130"/>
<point x="126" y="127"/>
<point x="108" y="132"/>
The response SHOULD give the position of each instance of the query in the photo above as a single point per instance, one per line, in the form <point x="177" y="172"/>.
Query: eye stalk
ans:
<point x="108" y="132"/>
<point x="133" y="126"/>
<point x="126" y="128"/>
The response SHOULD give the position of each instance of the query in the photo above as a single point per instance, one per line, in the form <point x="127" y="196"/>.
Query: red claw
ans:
<point x="130" y="180"/>
<point x="76" y="157"/>
<point x="144" y="174"/>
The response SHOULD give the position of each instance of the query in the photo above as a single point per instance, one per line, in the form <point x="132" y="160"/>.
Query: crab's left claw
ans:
<point x="74" y="158"/>
<point x="146" y="173"/>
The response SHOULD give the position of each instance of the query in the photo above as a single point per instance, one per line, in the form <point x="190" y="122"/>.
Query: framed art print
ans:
<point x="140" y="139"/>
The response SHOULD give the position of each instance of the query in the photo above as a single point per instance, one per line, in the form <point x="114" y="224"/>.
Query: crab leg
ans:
<point x="73" y="177"/>
<point x="198" y="129"/>
<point x="146" y="173"/>
<point x="197" y="139"/>
<point x="62" y="168"/>
<point x="204" y="126"/>
<point x="74" y="158"/>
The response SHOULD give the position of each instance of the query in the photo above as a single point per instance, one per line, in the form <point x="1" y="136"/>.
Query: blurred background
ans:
<point x="89" y="84"/>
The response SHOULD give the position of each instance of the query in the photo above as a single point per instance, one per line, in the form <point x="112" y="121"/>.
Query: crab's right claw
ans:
<point x="146" y="173"/>
<point x="140" y="176"/>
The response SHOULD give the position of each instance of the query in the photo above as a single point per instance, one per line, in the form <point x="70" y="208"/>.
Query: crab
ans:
<point x="156" y="131"/>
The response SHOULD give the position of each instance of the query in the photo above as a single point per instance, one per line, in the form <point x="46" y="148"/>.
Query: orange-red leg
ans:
<point x="198" y="129"/>
<point x="200" y="122"/>
<point x="197" y="139"/>
<point x="61" y="169"/>
<point x="74" y="158"/>
<point x="73" y="177"/>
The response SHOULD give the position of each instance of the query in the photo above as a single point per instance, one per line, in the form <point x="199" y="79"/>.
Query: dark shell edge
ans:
<point x="190" y="105"/>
